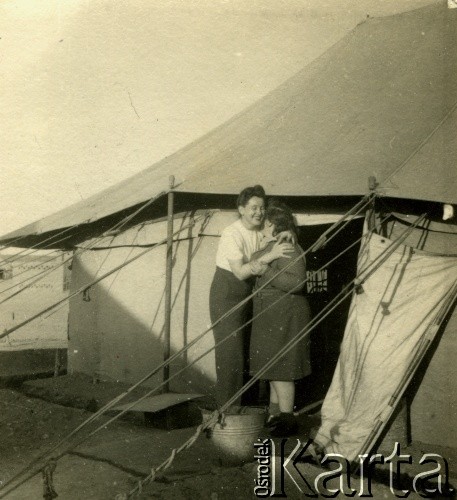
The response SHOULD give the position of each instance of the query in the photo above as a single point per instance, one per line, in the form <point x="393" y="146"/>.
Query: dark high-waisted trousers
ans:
<point x="226" y="292"/>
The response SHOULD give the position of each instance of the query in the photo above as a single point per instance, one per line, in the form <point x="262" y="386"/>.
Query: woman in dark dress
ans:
<point x="276" y="326"/>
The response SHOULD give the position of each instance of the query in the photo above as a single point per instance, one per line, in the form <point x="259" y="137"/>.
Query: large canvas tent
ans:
<point x="381" y="103"/>
<point x="383" y="96"/>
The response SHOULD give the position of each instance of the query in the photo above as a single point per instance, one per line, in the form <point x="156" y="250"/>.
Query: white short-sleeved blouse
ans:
<point x="237" y="243"/>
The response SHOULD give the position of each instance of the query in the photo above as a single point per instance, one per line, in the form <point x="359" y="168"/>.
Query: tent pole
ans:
<point x="371" y="214"/>
<point x="168" y="276"/>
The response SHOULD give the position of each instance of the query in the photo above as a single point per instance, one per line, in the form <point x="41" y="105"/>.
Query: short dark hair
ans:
<point x="279" y="214"/>
<point x="250" y="192"/>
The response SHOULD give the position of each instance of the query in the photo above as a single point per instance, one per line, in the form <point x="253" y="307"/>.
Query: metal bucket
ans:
<point x="236" y="432"/>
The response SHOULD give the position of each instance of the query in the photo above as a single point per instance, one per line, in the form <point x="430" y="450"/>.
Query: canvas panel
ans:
<point x="431" y="236"/>
<point x="385" y="324"/>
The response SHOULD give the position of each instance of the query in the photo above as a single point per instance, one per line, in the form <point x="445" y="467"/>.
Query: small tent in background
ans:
<point x="39" y="348"/>
<point x="381" y="103"/>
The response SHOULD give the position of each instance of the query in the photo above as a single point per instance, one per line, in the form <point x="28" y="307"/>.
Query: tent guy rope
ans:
<point x="357" y="208"/>
<point x="86" y="286"/>
<point x="346" y="292"/>
<point x="23" y="253"/>
<point x="119" y="225"/>
<point x="312" y="325"/>
<point x="125" y="410"/>
<point x="28" y="269"/>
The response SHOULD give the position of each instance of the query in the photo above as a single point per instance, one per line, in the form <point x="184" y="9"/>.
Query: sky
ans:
<point x="93" y="91"/>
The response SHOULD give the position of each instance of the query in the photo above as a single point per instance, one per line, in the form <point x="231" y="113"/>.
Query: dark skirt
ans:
<point x="231" y="361"/>
<point x="273" y="329"/>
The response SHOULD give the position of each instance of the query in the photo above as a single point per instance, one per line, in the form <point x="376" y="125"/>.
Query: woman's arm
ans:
<point x="243" y="271"/>
<point x="290" y="280"/>
<point x="282" y="237"/>
<point x="258" y="266"/>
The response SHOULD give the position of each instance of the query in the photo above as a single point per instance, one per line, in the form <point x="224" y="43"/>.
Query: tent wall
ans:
<point x="434" y="398"/>
<point x="117" y="334"/>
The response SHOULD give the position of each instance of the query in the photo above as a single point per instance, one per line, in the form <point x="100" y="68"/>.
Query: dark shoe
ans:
<point x="283" y="425"/>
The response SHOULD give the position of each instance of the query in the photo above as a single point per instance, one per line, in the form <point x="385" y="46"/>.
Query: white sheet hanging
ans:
<point x="386" y="322"/>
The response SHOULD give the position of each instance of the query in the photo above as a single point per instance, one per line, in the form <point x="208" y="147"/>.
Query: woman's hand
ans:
<point x="279" y="250"/>
<point x="288" y="236"/>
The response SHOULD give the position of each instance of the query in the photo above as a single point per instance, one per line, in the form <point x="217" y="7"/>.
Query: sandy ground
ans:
<point x="112" y="461"/>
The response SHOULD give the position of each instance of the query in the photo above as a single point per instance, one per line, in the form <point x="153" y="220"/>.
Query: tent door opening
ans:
<point x="320" y="289"/>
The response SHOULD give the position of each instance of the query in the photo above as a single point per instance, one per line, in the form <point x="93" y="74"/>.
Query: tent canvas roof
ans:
<point x="381" y="102"/>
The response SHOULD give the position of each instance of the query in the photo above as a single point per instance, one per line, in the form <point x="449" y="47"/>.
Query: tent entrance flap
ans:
<point x="386" y="324"/>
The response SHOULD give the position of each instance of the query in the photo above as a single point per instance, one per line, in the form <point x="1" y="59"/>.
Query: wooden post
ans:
<point x="168" y="276"/>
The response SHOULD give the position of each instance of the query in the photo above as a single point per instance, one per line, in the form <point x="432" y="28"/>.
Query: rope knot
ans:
<point x="358" y="287"/>
<point x="86" y="294"/>
<point x="385" y="308"/>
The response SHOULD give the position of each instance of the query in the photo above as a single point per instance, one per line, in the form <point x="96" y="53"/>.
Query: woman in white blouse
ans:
<point x="233" y="281"/>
